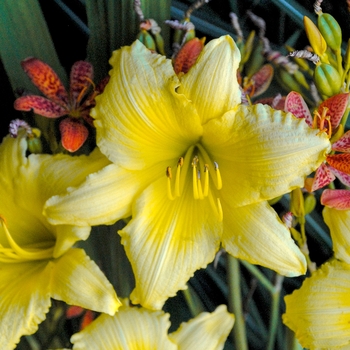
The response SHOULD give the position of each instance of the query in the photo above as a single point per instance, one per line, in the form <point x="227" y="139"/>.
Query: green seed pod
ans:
<point x="146" y="39"/>
<point x="309" y="203"/>
<point x="327" y="80"/>
<point x="330" y="30"/>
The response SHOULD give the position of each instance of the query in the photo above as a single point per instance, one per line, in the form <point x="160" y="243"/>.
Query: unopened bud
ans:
<point x="330" y="30"/>
<point x="327" y="80"/>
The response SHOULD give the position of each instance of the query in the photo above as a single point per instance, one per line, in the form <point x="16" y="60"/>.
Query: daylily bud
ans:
<point x="34" y="141"/>
<point x="297" y="203"/>
<point x="160" y="43"/>
<point x="330" y="30"/>
<point x="147" y="39"/>
<point x="315" y="37"/>
<point x="327" y="80"/>
<point x="247" y="48"/>
<point x="309" y="203"/>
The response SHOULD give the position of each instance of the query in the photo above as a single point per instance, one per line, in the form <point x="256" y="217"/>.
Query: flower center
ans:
<point x="14" y="253"/>
<point x="197" y="158"/>
<point x="323" y="122"/>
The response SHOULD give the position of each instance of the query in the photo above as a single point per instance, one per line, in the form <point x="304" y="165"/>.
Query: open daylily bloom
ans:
<point x="134" y="328"/>
<point x="37" y="261"/>
<point x="319" y="312"/>
<point x="193" y="167"/>
<point x="327" y="118"/>
<point x="58" y="102"/>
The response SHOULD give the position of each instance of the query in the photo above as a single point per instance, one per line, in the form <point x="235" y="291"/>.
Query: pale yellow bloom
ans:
<point x="134" y="328"/>
<point x="319" y="312"/>
<point x="223" y="162"/>
<point x="37" y="261"/>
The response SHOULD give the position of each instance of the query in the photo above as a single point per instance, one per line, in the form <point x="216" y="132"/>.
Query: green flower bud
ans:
<point x="327" y="80"/>
<point x="297" y="203"/>
<point x="309" y="203"/>
<point x="330" y="30"/>
<point x="146" y="39"/>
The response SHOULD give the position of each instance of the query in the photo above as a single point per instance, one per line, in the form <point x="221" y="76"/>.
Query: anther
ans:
<point x="200" y="190"/>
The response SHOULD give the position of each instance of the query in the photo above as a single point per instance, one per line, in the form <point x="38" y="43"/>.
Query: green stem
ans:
<point x="193" y="302"/>
<point x="274" y="316"/>
<point x="235" y="303"/>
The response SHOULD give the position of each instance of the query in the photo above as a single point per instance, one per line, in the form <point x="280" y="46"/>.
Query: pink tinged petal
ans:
<point x="46" y="80"/>
<point x="73" y="134"/>
<point x="338" y="199"/>
<point x="256" y="234"/>
<point x="336" y="107"/>
<point x="343" y="177"/>
<point x="296" y="105"/>
<point x="323" y="177"/>
<point x="167" y="241"/>
<point x="262" y="79"/>
<point x="81" y="76"/>
<point x="40" y="105"/>
<point x="340" y="162"/>
<point x="343" y="144"/>
<point x="338" y="221"/>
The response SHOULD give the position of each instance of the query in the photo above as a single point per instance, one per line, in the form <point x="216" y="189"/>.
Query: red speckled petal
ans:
<point x="340" y="162"/>
<point x="73" y="134"/>
<point x="46" y="80"/>
<point x="40" y="105"/>
<point x="322" y="178"/>
<point x="343" y="144"/>
<point x="339" y="199"/>
<point x="262" y="79"/>
<point x="81" y="76"/>
<point x="343" y="178"/>
<point x="336" y="107"/>
<point x="296" y="105"/>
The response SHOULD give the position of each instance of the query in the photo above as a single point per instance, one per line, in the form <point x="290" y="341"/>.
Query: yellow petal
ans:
<point x="24" y="300"/>
<point x="256" y="234"/>
<point x="338" y="222"/>
<point x="319" y="312"/>
<point x="103" y="198"/>
<point x="77" y="280"/>
<point x="211" y="84"/>
<point x="263" y="153"/>
<point x="131" y="328"/>
<point x="140" y="119"/>
<point x="206" y="331"/>
<point x="167" y="241"/>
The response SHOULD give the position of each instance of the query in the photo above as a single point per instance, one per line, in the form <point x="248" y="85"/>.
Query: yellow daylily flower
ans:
<point x="134" y="328"/>
<point x="319" y="312"/>
<point x="222" y="160"/>
<point x="37" y="261"/>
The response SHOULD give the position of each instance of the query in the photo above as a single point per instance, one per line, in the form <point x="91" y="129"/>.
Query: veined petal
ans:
<point x="263" y="153"/>
<point x="206" y="331"/>
<point x="81" y="76"/>
<point x="323" y="177"/>
<point x="338" y="222"/>
<point x="167" y="241"/>
<point x="340" y="162"/>
<point x="131" y="328"/>
<point x="25" y="300"/>
<point x="256" y="234"/>
<point x="343" y="177"/>
<point x="40" y="105"/>
<point x="46" y="80"/>
<point x="212" y="82"/>
<point x="103" y="198"/>
<point x="140" y="118"/>
<point x="77" y="280"/>
<point x="296" y="105"/>
<point x="338" y="199"/>
<point x="319" y="312"/>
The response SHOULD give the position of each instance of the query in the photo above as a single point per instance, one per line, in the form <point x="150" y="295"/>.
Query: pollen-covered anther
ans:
<point x="218" y="176"/>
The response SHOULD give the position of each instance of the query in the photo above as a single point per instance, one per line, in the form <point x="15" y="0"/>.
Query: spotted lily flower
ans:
<point x="193" y="167"/>
<point x="319" y="312"/>
<point x="327" y="118"/>
<point x="58" y="102"/>
<point x="136" y="328"/>
<point x="37" y="261"/>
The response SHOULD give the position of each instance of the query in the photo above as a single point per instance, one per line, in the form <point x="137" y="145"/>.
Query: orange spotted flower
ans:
<point x="327" y="118"/>
<point x="58" y="102"/>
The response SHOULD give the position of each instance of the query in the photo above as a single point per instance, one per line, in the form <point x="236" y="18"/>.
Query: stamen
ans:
<point x="177" y="180"/>
<point x="194" y="177"/>
<point x="200" y="190"/>
<point x="216" y="205"/>
<point x="17" y="253"/>
<point x="169" y="176"/>
<point x="220" y="212"/>
<point x="218" y="176"/>
<point x="206" y="180"/>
